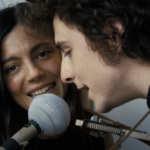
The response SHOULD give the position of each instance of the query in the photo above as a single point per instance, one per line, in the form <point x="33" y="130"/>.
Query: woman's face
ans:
<point x="30" y="67"/>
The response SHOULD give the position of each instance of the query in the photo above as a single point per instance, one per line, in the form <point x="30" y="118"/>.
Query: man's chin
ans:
<point x="102" y="109"/>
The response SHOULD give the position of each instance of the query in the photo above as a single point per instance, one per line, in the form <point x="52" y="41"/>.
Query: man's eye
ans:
<point x="67" y="54"/>
<point x="12" y="68"/>
<point x="43" y="54"/>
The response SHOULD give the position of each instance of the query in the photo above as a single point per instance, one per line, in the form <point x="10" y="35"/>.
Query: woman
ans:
<point x="30" y="65"/>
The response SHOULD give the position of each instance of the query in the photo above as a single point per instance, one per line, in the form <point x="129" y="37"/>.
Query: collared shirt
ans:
<point x="148" y="98"/>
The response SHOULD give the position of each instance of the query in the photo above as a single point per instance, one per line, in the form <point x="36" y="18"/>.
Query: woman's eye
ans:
<point x="67" y="54"/>
<point x="43" y="54"/>
<point x="12" y="68"/>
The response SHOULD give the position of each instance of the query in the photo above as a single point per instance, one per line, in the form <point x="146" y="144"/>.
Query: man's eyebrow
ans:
<point x="59" y="45"/>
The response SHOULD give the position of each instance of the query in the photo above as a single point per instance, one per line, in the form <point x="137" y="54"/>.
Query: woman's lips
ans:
<point x="46" y="89"/>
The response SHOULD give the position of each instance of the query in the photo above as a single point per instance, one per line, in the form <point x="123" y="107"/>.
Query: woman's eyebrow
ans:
<point x="34" y="48"/>
<point x="9" y="59"/>
<point x="37" y="46"/>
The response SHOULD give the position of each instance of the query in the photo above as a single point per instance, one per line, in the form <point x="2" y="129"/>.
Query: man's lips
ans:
<point x="83" y="88"/>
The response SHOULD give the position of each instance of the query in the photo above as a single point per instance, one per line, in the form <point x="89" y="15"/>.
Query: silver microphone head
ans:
<point x="51" y="113"/>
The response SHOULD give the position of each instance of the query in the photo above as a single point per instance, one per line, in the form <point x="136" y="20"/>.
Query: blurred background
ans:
<point x="6" y="3"/>
<point x="129" y="113"/>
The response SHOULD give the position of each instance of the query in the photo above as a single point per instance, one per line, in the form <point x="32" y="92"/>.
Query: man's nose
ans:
<point x="67" y="75"/>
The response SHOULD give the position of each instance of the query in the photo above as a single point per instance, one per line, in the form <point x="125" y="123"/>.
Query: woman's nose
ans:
<point x="34" y="73"/>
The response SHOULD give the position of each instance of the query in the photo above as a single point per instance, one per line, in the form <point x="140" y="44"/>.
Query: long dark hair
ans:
<point x="7" y="22"/>
<point x="10" y="119"/>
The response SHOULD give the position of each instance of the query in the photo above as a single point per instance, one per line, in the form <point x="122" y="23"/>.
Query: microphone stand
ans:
<point x="21" y="139"/>
<point x="124" y="135"/>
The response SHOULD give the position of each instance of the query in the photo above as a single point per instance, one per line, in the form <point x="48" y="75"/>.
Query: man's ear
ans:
<point x="116" y="24"/>
<point x="115" y="38"/>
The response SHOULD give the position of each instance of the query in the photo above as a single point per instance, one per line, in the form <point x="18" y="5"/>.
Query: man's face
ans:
<point x="86" y="68"/>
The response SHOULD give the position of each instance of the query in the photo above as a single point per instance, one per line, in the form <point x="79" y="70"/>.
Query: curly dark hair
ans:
<point x="90" y="17"/>
<point x="39" y="18"/>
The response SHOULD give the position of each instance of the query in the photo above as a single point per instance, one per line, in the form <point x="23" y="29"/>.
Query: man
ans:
<point x="105" y="46"/>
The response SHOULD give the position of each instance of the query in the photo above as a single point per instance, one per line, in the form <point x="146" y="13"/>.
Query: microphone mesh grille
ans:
<point x="51" y="113"/>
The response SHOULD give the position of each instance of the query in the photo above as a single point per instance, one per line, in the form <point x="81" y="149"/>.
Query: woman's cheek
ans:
<point x="13" y="84"/>
<point x="53" y="66"/>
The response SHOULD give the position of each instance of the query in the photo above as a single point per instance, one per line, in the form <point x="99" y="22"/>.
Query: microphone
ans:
<point x="48" y="114"/>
